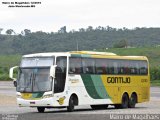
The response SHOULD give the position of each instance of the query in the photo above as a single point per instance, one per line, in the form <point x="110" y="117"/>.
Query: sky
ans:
<point x="51" y="15"/>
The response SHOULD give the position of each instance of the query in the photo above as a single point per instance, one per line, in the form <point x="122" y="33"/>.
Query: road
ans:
<point x="9" y="109"/>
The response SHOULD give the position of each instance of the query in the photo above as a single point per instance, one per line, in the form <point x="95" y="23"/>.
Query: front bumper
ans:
<point x="45" y="102"/>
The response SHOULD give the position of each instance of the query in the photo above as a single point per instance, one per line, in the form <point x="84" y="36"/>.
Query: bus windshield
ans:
<point x="34" y="80"/>
<point x="34" y="74"/>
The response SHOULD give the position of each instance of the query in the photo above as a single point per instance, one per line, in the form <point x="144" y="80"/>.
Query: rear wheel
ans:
<point x="132" y="101"/>
<point x="96" y="107"/>
<point x="70" y="108"/>
<point x="124" y="104"/>
<point x="125" y="101"/>
<point x="40" y="109"/>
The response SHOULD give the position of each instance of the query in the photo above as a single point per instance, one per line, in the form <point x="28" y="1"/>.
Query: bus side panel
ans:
<point x="89" y="89"/>
<point x="116" y="88"/>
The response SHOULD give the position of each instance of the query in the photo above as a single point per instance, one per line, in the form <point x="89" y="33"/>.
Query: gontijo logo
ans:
<point x="118" y="80"/>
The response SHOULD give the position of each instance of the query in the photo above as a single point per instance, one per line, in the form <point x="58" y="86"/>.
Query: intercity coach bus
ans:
<point x="69" y="79"/>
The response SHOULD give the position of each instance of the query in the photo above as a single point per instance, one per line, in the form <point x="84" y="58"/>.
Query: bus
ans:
<point x="69" y="79"/>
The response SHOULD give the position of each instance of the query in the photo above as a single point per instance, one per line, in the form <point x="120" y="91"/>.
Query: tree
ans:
<point x="81" y="30"/>
<point x="25" y="32"/>
<point x="90" y="28"/>
<point x="108" y="28"/>
<point x="62" y="30"/>
<point x="121" y="44"/>
<point x="10" y="31"/>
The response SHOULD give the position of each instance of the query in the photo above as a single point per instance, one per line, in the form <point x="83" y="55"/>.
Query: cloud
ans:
<point x="6" y="16"/>
<point x="53" y="14"/>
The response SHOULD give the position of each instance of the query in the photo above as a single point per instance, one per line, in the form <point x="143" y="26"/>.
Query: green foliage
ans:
<point x="155" y="82"/>
<point x="144" y="40"/>
<point x="121" y="44"/>
<point x="6" y="62"/>
<point x="88" y="39"/>
<point x="155" y="73"/>
<point x="10" y="31"/>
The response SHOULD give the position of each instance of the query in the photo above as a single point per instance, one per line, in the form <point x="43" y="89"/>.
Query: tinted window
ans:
<point x="75" y="65"/>
<point x="143" y="69"/>
<point x="88" y="65"/>
<point x="134" y="68"/>
<point x="61" y="64"/>
<point x="101" y="65"/>
<point x="108" y="66"/>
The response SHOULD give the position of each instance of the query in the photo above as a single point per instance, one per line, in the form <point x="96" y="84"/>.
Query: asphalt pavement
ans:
<point x="10" y="111"/>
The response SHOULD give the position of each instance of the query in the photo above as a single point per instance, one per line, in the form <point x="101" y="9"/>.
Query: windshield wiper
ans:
<point x="28" y="84"/>
<point x="33" y="80"/>
<point x="30" y="78"/>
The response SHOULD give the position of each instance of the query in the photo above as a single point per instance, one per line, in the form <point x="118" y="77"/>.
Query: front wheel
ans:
<point x="70" y="108"/>
<point x="40" y="109"/>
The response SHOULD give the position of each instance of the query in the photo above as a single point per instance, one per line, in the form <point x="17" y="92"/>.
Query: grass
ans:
<point x="155" y="83"/>
<point x="6" y="62"/>
<point x="9" y="60"/>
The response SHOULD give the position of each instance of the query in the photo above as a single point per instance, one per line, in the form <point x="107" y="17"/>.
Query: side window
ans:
<point x="115" y="64"/>
<point x="121" y="68"/>
<point x="134" y="67"/>
<point x="143" y="68"/>
<point x="126" y="67"/>
<point x="110" y="67"/>
<point x="101" y="65"/>
<point x="75" y="65"/>
<point x="61" y="64"/>
<point x="88" y="65"/>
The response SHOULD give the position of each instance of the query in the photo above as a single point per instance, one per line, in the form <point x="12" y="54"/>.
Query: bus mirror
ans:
<point x="52" y="71"/>
<point x="11" y="75"/>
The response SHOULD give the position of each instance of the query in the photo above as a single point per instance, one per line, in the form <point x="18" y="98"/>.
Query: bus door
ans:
<point x="60" y="74"/>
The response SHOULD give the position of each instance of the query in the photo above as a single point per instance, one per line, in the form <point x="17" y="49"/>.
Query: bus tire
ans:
<point x="41" y="109"/>
<point x="132" y="101"/>
<point x="124" y="104"/>
<point x="125" y="101"/>
<point x="70" y="107"/>
<point x="96" y="107"/>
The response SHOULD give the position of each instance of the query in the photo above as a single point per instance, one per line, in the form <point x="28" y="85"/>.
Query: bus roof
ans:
<point x="110" y="55"/>
<point x="91" y="54"/>
<point x="49" y="54"/>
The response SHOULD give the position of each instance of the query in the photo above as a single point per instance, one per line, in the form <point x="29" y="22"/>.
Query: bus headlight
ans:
<point x="48" y="96"/>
